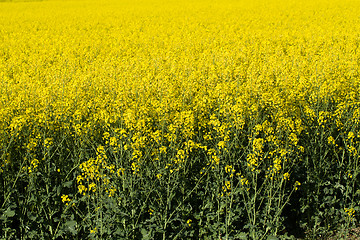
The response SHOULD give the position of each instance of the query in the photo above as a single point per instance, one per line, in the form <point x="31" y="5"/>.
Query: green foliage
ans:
<point x="204" y="199"/>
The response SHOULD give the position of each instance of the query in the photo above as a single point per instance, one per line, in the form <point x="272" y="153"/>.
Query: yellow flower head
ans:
<point x="189" y="221"/>
<point x="286" y="176"/>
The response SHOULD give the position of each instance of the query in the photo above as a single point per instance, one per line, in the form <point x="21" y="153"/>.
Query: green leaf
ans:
<point x="9" y="213"/>
<point x="242" y="236"/>
<point x="68" y="184"/>
<point x="272" y="238"/>
<point x="32" y="217"/>
<point x="71" y="226"/>
<point x="145" y="234"/>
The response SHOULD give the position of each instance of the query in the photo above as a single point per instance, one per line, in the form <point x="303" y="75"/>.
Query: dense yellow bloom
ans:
<point x="186" y="71"/>
<point x="258" y="145"/>
<point x="96" y="174"/>
<point x="125" y="84"/>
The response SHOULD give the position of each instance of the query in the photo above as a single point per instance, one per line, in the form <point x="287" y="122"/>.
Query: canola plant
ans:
<point x="152" y="119"/>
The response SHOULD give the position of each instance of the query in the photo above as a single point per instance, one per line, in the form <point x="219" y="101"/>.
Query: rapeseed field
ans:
<point x="152" y="119"/>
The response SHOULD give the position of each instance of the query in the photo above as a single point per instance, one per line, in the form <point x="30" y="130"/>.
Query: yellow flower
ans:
<point x="331" y="140"/>
<point x="150" y="211"/>
<point x="227" y="186"/>
<point x="79" y="178"/>
<point x="92" y="186"/>
<point x="92" y="231"/>
<point x="351" y="135"/>
<point x="350" y="212"/>
<point x="286" y="176"/>
<point x="258" y="145"/>
<point x="221" y="144"/>
<point x="189" y="221"/>
<point x="111" y="191"/>
<point x="65" y="199"/>
<point x="293" y="139"/>
<point x="48" y="142"/>
<point x="244" y="181"/>
<point x="228" y="168"/>
<point x="162" y="149"/>
<point x="120" y="172"/>
<point x="82" y="189"/>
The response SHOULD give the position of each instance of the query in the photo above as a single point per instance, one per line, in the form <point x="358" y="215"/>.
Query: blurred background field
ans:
<point x="152" y="119"/>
